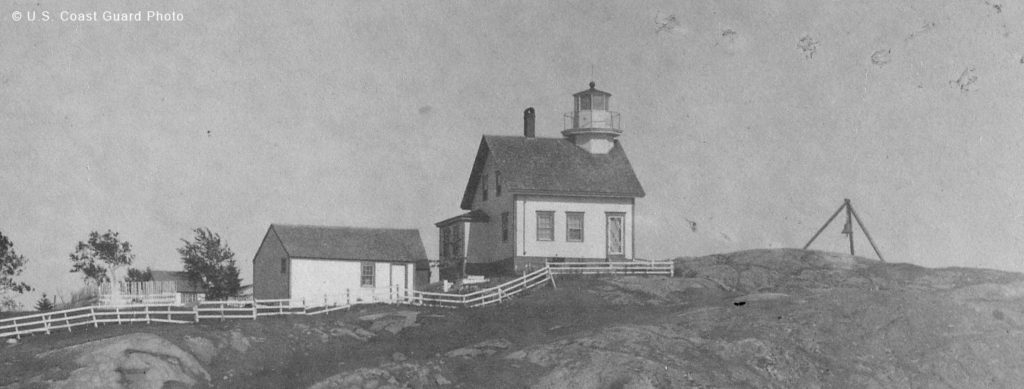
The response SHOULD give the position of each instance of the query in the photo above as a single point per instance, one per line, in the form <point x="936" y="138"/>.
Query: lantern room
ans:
<point x="591" y="125"/>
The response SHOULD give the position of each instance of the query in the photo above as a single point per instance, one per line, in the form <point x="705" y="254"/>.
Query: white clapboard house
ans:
<point x="531" y="199"/>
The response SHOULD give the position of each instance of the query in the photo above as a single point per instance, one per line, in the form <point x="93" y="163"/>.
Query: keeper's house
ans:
<point x="531" y="199"/>
<point x="310" y="262"/>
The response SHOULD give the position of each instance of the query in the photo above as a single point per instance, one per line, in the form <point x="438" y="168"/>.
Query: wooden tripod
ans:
<point x="848" y="229"/>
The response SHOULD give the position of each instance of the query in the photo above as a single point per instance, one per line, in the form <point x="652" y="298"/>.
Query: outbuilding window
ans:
<point x="366" y="275"/>
<point x="545" y="225"/>
<point x="284" y="265"/>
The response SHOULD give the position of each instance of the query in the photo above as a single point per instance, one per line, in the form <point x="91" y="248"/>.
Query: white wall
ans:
<point x="594" y="228"/>
<point x="313" y="278"/>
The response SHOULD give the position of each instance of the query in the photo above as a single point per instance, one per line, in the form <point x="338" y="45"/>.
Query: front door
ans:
<point x="616" y="241"/>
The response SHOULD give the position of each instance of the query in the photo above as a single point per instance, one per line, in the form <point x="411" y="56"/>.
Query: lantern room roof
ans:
<point x="592" y="91"/>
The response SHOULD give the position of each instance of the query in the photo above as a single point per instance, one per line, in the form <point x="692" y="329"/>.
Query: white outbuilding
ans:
<point x="318" y="262"/>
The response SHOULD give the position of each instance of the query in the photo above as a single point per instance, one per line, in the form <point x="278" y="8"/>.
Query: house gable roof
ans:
<point x="553" y="166"/>
<point x="476" y="215"/>
<point x="351" y="243"/>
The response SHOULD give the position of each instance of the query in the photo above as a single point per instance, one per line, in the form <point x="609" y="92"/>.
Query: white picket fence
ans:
<point x="144" y="299"/>
<point x="158" y="311"/>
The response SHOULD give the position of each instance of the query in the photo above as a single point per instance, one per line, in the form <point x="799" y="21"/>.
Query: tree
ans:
<point x="100" y="252"/>
<point x="136" y="275"/>
<point x="210" y="264"/>
<point x="44" y="304"/>
<point x="7" y="304"/>
<point x="11" y="265"/>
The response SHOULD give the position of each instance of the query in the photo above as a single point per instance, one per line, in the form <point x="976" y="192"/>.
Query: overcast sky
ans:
<point x="746" y="122"/>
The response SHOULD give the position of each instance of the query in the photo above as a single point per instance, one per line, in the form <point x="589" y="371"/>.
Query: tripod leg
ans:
<point x="823" y="227"/>
<point x="857" y="218"/>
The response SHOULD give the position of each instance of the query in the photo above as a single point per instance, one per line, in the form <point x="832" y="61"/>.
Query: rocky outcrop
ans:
<point x="133" y="361"/>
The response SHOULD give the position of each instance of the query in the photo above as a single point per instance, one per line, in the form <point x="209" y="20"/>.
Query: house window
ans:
<point x="497" y="184"/>
<point x="366" y="274"/>
<point x="284" y="265"/>
<point x="445" y="238"/>
<point x="504" y="226"/>
<point x="485" y="187"/>
<point x="545" y="225"/>
<point x="574" y="226"/>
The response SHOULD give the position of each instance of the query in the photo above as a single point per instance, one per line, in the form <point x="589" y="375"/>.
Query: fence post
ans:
<point x="145" y="309"/>
<point x="92" y="312"/>
<point x="67" y="321"/>
<point x="16" y="332"/>
<point x="222" y="311"/>
<point x="552" y="278"/>
<point x="254" y="308"/>
<point x="672" y="271"/>
<point x="118" y="311"/>
<point x="524" y="279"/>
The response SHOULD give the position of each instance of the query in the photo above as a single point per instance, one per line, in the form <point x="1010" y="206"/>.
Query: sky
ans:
<point x="747" y="123"/>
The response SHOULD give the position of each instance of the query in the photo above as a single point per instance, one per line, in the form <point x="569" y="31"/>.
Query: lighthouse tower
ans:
<point x="590" y="125"/>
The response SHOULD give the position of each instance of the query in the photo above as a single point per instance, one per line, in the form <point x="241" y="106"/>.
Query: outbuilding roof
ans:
<point x="180" y="280"/>
<point x="553" y="166"/>
<point x="351" y="243"/>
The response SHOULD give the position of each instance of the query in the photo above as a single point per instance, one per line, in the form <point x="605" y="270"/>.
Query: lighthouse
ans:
<point x="590" y="125"/>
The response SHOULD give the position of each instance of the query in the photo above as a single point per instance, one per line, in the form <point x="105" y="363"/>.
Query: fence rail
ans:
<point x="483" y="297"/>
<point x="159" y="311"/>
<point x="635" y="267"/>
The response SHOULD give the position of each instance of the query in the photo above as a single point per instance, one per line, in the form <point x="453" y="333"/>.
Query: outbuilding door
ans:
<point x="398" y="276"/>
<point x="398" y="282"/>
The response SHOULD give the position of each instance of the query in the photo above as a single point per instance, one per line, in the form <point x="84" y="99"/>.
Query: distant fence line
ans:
<point x="162" y="309"/>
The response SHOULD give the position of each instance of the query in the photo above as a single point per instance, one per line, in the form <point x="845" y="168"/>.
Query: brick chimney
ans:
<point x="528" y="123"/>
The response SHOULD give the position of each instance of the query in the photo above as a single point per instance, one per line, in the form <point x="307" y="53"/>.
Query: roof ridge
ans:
<point x="524" y="137"/>
<point x="344" y="227"/>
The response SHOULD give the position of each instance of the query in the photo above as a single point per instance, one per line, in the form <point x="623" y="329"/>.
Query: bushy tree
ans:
<point x="101" y="252"/>
<point x="210" y="264"/>
<point x="8" y="304"/>
<point x="136" y="275"/>
<point x="11" y="265"/>
<point x="44" y="304"/>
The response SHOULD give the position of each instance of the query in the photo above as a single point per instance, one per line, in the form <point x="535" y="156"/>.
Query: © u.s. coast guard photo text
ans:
<point x="88" y="16"/>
